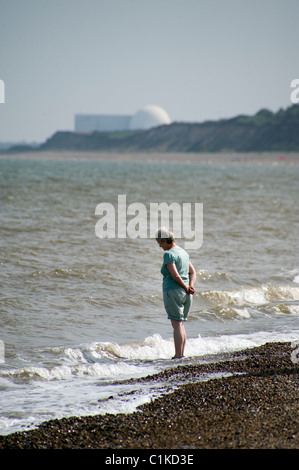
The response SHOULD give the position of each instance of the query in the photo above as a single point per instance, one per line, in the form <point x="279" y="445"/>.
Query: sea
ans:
<point x="81" y="315"/>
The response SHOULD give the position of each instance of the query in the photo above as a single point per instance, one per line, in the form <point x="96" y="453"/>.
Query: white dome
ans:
<point x="149" y="116"/>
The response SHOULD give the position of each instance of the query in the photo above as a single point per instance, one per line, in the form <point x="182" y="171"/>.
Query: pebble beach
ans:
<point x="254" y="405"/>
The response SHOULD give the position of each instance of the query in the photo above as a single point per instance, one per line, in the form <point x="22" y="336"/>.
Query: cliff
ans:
<point x="265" y="131"/>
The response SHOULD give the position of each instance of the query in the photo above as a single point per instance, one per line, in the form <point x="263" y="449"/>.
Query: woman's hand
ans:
<point x="190" y="290"/>
<point x="177" y="278"/>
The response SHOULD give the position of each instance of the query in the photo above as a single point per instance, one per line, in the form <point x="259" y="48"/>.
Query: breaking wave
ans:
<point x="108" y="361"/>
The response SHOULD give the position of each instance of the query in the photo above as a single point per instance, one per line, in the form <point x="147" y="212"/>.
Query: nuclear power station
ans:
<point x="145" y="118"/>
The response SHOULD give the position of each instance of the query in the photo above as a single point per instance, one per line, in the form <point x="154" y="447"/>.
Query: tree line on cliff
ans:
<point x="264" y="131"/>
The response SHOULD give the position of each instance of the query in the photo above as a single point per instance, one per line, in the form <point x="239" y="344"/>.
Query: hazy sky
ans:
<point x="198" y="59"/>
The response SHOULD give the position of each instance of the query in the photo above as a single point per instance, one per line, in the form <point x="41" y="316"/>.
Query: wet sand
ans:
<point x="257" y="407"/>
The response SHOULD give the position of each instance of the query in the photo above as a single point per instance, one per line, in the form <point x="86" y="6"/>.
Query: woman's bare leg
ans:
<point x="180" y="337"/>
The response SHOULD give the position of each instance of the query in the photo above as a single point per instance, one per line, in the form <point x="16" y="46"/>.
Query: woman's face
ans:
<point x="163" y="244"/>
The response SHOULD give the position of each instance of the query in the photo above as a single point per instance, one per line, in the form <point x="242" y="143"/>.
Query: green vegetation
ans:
<point x="265" y="131"/>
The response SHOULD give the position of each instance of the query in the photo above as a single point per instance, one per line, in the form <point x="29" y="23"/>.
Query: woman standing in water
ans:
<point x="179" y="277"/>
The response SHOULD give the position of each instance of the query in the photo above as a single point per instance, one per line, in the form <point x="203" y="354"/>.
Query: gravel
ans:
<point x="256" y="407"/>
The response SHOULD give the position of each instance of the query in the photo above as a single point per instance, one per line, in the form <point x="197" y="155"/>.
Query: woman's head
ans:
<point x="164" y="235"/>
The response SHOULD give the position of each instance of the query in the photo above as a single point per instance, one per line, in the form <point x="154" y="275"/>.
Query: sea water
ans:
<point x="81" y="315"/>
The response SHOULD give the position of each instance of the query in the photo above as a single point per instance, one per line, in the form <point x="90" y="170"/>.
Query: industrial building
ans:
<point x="145" y="118"/>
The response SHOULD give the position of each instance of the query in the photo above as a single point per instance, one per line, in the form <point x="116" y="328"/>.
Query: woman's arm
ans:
<point x="192" y="276"/>
<point x="177" y="278"/>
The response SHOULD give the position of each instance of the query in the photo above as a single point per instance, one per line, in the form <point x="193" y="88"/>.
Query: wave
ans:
<point x="90" y="383"/>
<point x="206" y="276"/>
<point x="155" y="347"/>
<point x="110" y="361"/>
<point x="70" y="371"/>
<point x="250" y="296"/>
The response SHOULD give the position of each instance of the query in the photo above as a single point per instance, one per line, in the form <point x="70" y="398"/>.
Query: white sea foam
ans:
<point x="256" y="296"/>
<point x="64" y="372"/>
<point x="155" y="347"/>
<point x="231" y="343"/>
<point x="86" y="388"/>
<point x="137" y="359"/>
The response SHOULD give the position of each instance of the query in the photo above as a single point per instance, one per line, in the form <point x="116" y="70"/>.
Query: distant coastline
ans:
<point x="264" y="132"/>
<point x="277" y="158"/>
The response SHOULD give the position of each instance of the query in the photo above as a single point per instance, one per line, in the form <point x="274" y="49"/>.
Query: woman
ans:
<point x="179" y="277"/>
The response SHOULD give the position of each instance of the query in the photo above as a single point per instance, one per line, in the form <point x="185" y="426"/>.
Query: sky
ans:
<point x="198" y="59"/>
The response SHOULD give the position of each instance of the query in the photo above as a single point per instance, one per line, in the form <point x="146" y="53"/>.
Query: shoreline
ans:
<point x="256" y="407"/>
<point x="280" y="158"/>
